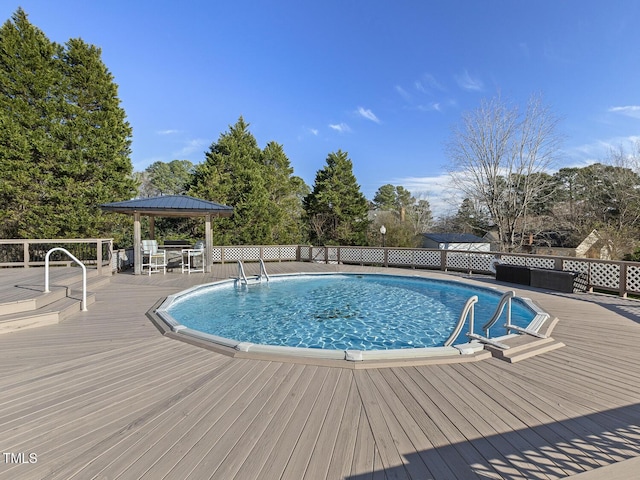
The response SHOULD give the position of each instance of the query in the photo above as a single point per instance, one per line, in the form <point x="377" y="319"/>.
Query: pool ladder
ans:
<point x="468" y="311"/>
<point x="242" y="277"/>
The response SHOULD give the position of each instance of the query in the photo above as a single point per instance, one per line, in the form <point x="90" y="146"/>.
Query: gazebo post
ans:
<point x="152" y="227"/>
<point x="208" y="242"/>
<point x="137" y="244"/>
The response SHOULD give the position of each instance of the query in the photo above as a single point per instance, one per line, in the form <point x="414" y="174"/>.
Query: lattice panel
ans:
<point x="539" y="262"/>
<point x="216" y="254"/>
<point x="400" y="257"/>
<point x="481" y="262"/>
<point x="305" y="252"/>
<point x="427" y="258"/>
<point x="250" y="253"/>
<point x="528" y="261"/>
<point x="633" y="278"/>
<point x="605" y="275"/>
<point x="514" y="260"/>
<point x="317" y="254"/>
<point x="372" y="256"/>
<point x="458" y="261"/>
<point x="332" y="254"/>
<point x="575" y="266"/>
<point x="288" y="252"/>
<point x="352" y="255"/>
<point x="270" y="253"/>
<point x="231" y="254"/>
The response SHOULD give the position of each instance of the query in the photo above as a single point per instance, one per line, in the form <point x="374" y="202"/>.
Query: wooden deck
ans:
<point x="105" y="395"/>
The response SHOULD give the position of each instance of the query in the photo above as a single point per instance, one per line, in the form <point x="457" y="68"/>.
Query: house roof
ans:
<point x="169" y="206"/>
<point x="454" y="238"/>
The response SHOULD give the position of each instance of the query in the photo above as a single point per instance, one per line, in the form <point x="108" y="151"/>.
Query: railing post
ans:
<point x="99" y="255"/>
<point x="623" y="280"/>
<point x="386" y="256"/>
<point x="443" y="260"/>
<point x="25" y="255"/>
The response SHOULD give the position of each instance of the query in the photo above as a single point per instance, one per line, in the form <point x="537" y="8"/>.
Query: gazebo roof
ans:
<point x="170" y="206"/>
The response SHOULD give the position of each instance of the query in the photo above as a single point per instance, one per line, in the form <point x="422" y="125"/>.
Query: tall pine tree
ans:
<point x="65" y="141"/>
<point x="258" y="184"/>
<point x="336" y="209"/>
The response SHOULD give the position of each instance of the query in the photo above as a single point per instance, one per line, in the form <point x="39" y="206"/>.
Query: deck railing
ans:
<point x="614" y="276"/>
<point x="27" y="253"/>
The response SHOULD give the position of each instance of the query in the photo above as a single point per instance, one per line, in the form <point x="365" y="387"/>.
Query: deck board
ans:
<point x="105" y="395"/>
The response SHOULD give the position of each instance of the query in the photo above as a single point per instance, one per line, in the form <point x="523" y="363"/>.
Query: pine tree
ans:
<point x="232" y="175"/>
<point x="66" y="143"/>
<point x="336" y="209"/>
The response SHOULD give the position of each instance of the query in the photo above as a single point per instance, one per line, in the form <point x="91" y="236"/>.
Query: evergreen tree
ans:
<point x="65" y="140"/>
<point x="285" y="196"/>
<point x="336" y="209"/>
<point x="258" y="184"/>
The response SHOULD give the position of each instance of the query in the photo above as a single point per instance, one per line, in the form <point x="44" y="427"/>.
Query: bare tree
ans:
<point x="498" y="158"/>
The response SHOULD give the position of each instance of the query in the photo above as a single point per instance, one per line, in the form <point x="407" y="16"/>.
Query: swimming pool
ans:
<point x="335" y="312"/>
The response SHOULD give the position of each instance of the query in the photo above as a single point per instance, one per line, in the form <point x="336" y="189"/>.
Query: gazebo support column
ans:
<point x="208" y="244"/>
<point x="152" y="227"/>
<point x="137" y="244"/>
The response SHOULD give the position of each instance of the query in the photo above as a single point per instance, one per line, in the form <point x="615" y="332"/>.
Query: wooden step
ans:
<point x="50" y="314"/>
<point x="523" y="347"/>
<point x="40" y="299"/>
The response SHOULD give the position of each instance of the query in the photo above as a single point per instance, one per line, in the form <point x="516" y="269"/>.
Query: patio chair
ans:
<point x="153" y="258"/>
<point x="193" y="258"/>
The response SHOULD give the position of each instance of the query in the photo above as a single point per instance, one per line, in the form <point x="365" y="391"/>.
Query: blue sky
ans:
<point x="384" y="81"/>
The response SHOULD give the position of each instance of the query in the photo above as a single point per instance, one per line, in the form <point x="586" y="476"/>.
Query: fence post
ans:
<point x="623" y="280"/>
<point x="25" y="255"/>
<point x="99" y="255"/>
<point x="443" y="260"/>
<point x="386" y="256"/>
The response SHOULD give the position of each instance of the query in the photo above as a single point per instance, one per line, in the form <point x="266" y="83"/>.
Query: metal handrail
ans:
<point x="468" y="309"/>
<point x="242" y="277"/>
<point x="263" y="271"/>
<point x="83" y="305"/>
<point x="504" y="300"/>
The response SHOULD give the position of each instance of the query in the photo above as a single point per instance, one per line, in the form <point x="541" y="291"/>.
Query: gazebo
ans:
<point x="168" y="206"/>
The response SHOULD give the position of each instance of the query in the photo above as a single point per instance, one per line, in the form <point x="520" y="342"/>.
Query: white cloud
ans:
<point x="443" y="198"/>
<point x="368" y="114"/>
<point x="629" y="110"/>
<point x="467" y="82"/>
<point x="190" y="147"/>
<point x="167" y="132"/>
<point x="314" y="131"/>
<point x="403" y="93"/>
<point x="340" y="127"/>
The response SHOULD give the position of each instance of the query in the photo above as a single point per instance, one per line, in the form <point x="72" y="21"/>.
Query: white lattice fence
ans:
<point x="305" y="253"/>
<point x="351" y="255"/>
<point x="633" y="278"/>
<point x="288" y="252"/>
<point x="481" y="263"/>
<point x="372" y="256"/>
<point x="216" y="254"/>
<point x="605" y="275"/>
<point x="427" y="258"/>
<point x="575" y="266"/>
<point x="528" y="261"/>
<point x="271" y="253"/>
<point x="400" y="257"/>
<point x="458" y="261"/>
<point x="361" y="255"/>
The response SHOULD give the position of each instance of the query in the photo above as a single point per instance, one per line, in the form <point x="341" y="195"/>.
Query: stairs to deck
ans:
<point x="25" y="305"/>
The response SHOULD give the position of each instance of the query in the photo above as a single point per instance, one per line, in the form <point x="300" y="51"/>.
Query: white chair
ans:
<point x="153" y="258"/>
<point x="193" y="258"/>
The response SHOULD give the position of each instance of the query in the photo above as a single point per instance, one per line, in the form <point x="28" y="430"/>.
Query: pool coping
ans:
<point x="469" y="351"/>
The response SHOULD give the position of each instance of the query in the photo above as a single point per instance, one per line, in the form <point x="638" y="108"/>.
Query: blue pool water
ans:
<point x="341" y="312"/>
